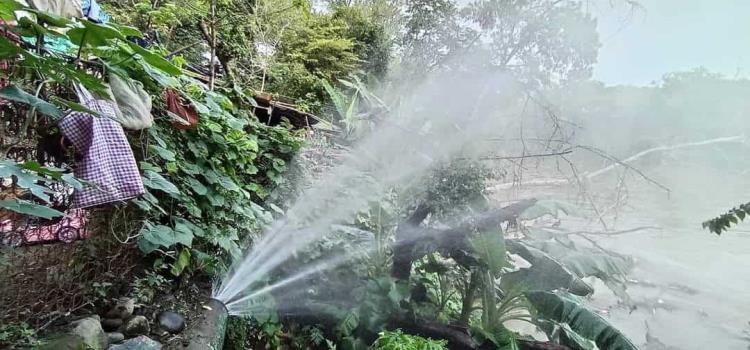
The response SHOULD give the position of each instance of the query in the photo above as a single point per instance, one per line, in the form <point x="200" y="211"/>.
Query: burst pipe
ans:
<point x="208" y="330"/>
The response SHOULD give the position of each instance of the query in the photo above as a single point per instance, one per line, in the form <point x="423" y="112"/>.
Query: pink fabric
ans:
<point x="70" y="228"/>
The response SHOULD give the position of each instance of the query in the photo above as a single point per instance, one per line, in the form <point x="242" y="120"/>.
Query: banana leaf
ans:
<point x="563" y="308"/>
<point x="545" y="273"/>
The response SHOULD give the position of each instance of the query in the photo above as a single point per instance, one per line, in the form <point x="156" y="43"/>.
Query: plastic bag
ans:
<point x="134" y="103"/>
<point x="62" y="8"/>
<point x="185" y="113"/>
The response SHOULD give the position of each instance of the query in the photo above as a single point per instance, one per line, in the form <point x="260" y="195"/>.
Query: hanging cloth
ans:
<point x="186" y="113"/>
<point x="62" y="8"/>
<point x="94" y="12"/>
<point x="134" y="103"/>
<point x="105" y="158"/>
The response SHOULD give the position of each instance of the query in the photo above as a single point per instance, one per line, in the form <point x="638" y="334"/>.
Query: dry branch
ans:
<point x="625" y="163"/>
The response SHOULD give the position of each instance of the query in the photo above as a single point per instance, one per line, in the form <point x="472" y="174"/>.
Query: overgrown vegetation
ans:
<point x="432" y="266"/>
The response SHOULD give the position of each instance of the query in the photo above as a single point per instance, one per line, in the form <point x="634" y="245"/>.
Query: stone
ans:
<point x="64" y="342"/>
<point x="139" y="343"/>
<point x="90" y="330"/>
<point x="111" y="324"/>
<point x="171" y="322"/>
<point x="122" y="309"/>
<point x="137" y="325"/>
<point x="115" y="337"/>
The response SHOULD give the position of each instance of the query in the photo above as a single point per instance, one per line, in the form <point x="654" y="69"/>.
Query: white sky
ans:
<point x="674" y="35"/>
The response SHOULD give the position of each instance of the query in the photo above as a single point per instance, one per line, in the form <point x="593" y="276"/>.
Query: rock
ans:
<point x="171" y="322"/>
<point x="137" y="325"/>
<point x="115" y="337"/>
<point x="64" y="342"/>
<point x="140" y="343"/>
<point x="122" y="309"/>
<point x="90" y="330"/>
<point x="111" y="324"/>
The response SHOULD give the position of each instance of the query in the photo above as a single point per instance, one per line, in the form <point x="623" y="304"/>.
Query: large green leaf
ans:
<point x="156" y="60"/>
<point x="13" y="93"/>
<point x="25" y="179"/>
<point x="8" y="8"/>
<point x="183" y="260"/>
<point x="127" y="31"/>
<point x="573" y="340"/>
<point x="545" y="273"/>
<point x="563" y="308"/>
<point x="93" y="34"/>
<point x="163" y="153"/>
<point x="74" y="106"/>
<point x="165" y="236"/>
<point x="7" y="48"/>
<point x="29" y="208"/>
<point x="490" y="247"/>
<point x="198" y="187"/>
<point x="187" y="226"/>
<point x="155" y="181"/>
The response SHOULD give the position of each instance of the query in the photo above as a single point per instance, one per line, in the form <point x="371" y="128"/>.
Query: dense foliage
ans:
<point x="203" y="183"/>
<point x="213" y="186"/>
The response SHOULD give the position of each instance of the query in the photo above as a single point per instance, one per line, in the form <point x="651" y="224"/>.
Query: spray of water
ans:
<point x="435" y="121"/>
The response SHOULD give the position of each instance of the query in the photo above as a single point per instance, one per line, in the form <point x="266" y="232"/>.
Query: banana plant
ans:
<point x="578" y="325"/>
<point x="356" y="110"/>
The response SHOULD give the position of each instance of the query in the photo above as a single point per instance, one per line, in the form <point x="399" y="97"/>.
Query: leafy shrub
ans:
<point x="19" y="335"/>
<point x="203" y="183"/>
<point x="397" y="340"/>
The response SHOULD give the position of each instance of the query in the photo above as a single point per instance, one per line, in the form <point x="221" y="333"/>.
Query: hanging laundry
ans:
<point x="94" y="12"/>
<point x="62" y="8"/>
<point x="133" y="102"/>
<point x="105" y="158"/>
<point x="187" y="113"/>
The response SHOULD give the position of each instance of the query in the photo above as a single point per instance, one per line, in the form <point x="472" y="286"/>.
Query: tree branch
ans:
<point x="413" y="242"/>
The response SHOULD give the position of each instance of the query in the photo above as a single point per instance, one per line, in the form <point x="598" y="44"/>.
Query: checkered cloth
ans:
<point x="106" y="160"/>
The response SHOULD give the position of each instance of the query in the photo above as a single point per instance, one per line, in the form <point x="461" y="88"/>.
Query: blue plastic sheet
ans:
<point x="94" y="12"/>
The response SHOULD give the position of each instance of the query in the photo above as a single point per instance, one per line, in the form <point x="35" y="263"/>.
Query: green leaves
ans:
<point x="348" y="324"/>
<point x="546" y="273"/>
<point x="163" y="153"/>
<point x="490" y="247"/>
<point x="7" y="9"/>
<point x="25" y="179"/>
<point x="155" y="236"/>
<point x="13" y="93"/>
<point x="7" y="48"/>
<point x="93" y="34"/>
<point x="183" y="260"/>
<point x="724" y="222"/>
<point x="29" y="208"/>
<point x="155" y="181"/>
<point x="565" y="309"/>
<point x="28" y="177"/>
<point x="197" y="186"/>
<point x="397" y="340"/>
<point x="155" y="60"/>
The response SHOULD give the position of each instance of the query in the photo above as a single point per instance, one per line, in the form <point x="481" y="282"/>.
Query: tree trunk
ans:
<point x="405" y="242"/>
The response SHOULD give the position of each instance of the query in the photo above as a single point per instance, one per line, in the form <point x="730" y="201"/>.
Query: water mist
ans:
<point x="437" y="120"/>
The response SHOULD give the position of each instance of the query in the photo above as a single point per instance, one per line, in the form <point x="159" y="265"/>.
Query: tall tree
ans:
<point x="543" y="41"/>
